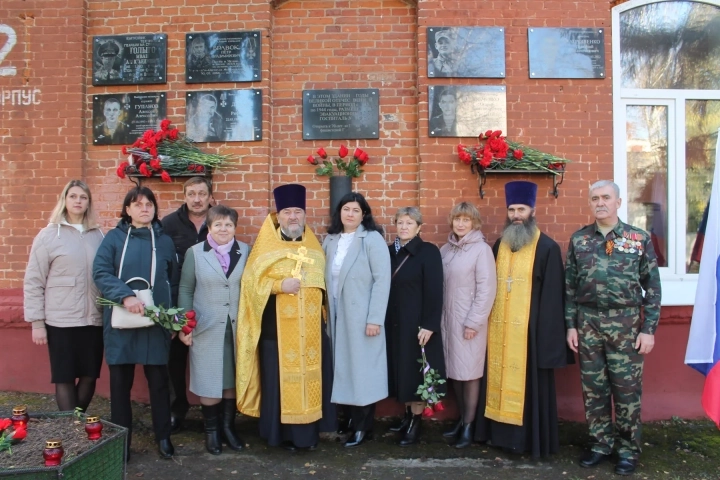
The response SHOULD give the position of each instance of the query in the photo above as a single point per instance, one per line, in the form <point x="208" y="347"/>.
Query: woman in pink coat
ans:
<point x="470" y="284"/>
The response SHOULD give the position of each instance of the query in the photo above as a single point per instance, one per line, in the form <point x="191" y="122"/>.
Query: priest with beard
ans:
<point x="284" y="368"/>
<point x="526" y="335"/>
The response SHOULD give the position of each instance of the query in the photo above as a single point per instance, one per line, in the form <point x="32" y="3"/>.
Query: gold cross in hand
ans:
<point x="301" y="258"/>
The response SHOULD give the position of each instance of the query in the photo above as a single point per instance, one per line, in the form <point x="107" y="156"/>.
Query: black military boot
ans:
<point x="402" y="425"/>
<point x="228" y="433"/>
<point x="212" y="436"/>
<point x="412" y="435"/>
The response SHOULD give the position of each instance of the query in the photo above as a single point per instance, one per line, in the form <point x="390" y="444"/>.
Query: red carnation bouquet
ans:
<point x="10" y="435"/>
<point x="495" y="152"/>
<point x="167" y="152"/>
<point x="172" y="319"/>
<point x="428" y="390"/>
<point x="351" y="168"/>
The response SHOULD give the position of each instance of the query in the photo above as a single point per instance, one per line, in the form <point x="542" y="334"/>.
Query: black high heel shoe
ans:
<point x="358" y="438"/>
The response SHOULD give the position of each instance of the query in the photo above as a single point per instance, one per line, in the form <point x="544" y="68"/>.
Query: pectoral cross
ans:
<point x="509" y="283"/>
<point x="301" y="258"/>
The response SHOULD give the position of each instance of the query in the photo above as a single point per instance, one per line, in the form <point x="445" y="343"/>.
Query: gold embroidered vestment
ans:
<point x="299" y="324"/>
<point x="508" y="334"/>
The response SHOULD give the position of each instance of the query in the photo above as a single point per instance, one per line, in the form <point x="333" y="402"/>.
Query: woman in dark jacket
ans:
<point x="150" y="347"/>
<point x="413" y="318"/>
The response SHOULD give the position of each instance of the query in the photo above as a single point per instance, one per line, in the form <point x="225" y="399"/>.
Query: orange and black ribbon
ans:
<point x="609" y="245"/>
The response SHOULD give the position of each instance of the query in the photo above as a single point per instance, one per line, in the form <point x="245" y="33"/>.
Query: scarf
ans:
<point x="222" y="252"/>
<point x="397" y="244"/>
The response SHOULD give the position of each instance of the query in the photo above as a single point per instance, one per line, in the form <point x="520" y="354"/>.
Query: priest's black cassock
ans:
<point x="547" y="350"/>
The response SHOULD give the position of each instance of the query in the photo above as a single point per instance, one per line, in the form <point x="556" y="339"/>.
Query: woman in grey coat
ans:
<point x="210" y="285"/>
<point x="357" y="275"/>
<point x="150" y="347"/>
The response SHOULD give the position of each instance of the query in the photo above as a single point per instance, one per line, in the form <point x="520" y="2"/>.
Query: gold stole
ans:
<point x="508" y="334"/>
<point x="299" y="322"/>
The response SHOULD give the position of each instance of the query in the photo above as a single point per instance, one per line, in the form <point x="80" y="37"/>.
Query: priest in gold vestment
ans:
<point x="526" y="335"/>
<point x="284" y="370"/>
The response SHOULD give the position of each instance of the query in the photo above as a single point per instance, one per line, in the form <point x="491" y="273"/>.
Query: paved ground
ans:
<point x="674" y="450"/>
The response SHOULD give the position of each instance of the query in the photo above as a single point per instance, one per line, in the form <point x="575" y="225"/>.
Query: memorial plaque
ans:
<point x="222" y="57"/>
<point x="341" y="114"/>
<point x="566" y="52"/>
<point x="129" y="59"/>
<point x="224" y="115"/>
<point x="119" y="119"/>
<point x="466" y="52"/>
<point x="466" y="111"/>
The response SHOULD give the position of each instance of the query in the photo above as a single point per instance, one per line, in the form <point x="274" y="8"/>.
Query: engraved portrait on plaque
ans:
<point x="566" y="52"/>
<point x="466" y="52"/>
<point x="213" y="57"/>
<point x="341" y="114"/>
<point x="120" y="119"/>
<point x="224" y="115"/>
<point x="465" y="111"/>
<point x="129" y="59"/>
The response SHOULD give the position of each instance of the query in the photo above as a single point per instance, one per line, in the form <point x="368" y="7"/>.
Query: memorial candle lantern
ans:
<point x="20" y="416"/>
<point x="53" y="452"/>
<point x="93" y="428"/>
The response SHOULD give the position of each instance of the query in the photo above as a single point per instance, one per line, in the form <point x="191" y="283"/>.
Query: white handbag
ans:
<point x="120" y="317"/>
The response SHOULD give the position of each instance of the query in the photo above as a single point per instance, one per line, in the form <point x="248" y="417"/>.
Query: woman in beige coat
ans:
<point x="470" y="285"/>
<point x="60" y="297"/>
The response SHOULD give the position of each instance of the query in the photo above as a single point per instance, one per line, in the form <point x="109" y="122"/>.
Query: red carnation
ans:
<point x="121" y="171"/>
<point x="363" y="158"/>
<point x="192" y="323"/>
<point x="155" y="164"/>
<point x="153" y="151"/>
<point x="487" y="134"/>
<point x="5" y="423"/>
<point x="323" y="154"/>
<point x="148" y="134"/>
<point x="312" y="160"/>
<point x="136" y="143"/>
<point x="124" y="150"/>
<point x="173" y="134"/>
<point x="465" y="157"/>
<point x="165" y="124"/>
<point x="518" y="154"/>
<point x="19" y="434"/>
<point x="186" y="330"/>
<point x="144" y="170"/>
<point x="190" y="315"/>
<point x="165" y="176"/>
<point x="497" y="133"/>
<point x="427" y="412"/>
<point x="199" y="168"/>
<point x="343" y="151"/>
<point x="439" y="407"/>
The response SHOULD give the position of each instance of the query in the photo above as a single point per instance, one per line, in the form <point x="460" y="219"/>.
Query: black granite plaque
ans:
<point x="129" y="59"/>
<point x="341" y="114"/>
<point x="466" y="52"/>
<point x="224" y="115"/>
<point x="566" y="52"/>
<point x="222" y="57"/>
<point x="466" y="111"/>
<point x="120" y="119"/>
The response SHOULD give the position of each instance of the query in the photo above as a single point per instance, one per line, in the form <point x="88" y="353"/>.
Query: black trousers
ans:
<point x="363" y="418"/>
<point x="177" y="367"/>
<point x="121" y="382"/>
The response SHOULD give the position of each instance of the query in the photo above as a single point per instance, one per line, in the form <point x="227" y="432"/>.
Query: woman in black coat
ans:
<point x="150" y="346"/>
<point x="413" y="318"/>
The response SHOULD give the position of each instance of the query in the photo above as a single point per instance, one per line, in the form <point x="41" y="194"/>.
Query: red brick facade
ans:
<point x="46" y="111"/>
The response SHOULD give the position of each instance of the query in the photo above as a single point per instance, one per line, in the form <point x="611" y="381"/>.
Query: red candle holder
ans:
<point x="93" y="428"/>
<point x="20" y="416"/>
<point x="53" y="452"/>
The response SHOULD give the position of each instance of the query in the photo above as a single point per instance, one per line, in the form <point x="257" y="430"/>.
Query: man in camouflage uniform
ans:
<point x="611" y="324"/>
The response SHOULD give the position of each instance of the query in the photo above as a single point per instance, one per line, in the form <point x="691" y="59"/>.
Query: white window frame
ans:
<point x="678" y="287"/>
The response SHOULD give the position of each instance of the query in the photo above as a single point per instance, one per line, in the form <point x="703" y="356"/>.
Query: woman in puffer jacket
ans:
<point x="59" y="297"/>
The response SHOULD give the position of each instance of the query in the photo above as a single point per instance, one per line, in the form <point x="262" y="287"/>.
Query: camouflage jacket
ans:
<point x="612" y="272"/>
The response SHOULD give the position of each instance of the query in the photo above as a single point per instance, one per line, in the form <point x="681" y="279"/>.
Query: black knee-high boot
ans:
<point x="404" y="423"/>
<point x="412" y="435"/>
<point x="228" y="433"/>
<point x="212" y="436"/>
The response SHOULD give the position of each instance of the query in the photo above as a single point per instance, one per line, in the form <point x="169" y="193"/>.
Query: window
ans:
<point x="666" y="118"/>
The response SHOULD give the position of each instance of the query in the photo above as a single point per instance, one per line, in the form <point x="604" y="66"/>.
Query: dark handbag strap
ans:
<point x="399" y="266"/>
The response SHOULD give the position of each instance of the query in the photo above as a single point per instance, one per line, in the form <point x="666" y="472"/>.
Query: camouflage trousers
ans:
<point x="611" y="373"/>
